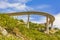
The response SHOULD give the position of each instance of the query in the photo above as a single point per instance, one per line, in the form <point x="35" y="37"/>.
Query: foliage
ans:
<point x="31" y="33"/>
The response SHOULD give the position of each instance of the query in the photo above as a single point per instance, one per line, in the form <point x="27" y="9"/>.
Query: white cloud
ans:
<point x="21" y="5"/>
<point x="23" y="1"/>
<point x="57" y="20"/>
<point x="3" y="0"/>
<point x="20" y="1"/>
<point x="4" y="5"/>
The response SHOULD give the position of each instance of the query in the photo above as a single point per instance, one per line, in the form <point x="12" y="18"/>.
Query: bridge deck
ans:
<point x="51" y="18"/>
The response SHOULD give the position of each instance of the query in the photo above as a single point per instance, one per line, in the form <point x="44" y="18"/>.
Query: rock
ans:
<point x="3" y="31"/>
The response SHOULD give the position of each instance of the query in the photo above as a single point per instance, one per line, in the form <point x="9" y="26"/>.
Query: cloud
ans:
<point x="18" y="6"/>
<point x="23" y="8"/>
<point x="19" y="1"/>
<point x="57" y="20"/>
<point x="23" y="1"/>
<point x="16" y="1"/>
<point x="4" y="5"/>
<point x="7" y="4"/>
<point x="3" y="0"/>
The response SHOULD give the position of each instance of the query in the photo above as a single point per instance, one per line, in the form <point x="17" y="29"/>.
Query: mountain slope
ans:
<point x="18" y="30"/>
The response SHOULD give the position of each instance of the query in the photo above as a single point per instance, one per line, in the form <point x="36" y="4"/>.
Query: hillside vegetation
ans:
<point x="17" y="30"/>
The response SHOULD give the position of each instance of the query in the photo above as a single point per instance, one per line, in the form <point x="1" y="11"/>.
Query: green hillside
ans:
<point x="18" y="30"/>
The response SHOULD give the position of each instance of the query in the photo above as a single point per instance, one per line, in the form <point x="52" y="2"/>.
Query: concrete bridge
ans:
<point x="49" y="18"/>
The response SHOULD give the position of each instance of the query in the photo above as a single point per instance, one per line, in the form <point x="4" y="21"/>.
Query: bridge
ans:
<point x="49" y="18"/>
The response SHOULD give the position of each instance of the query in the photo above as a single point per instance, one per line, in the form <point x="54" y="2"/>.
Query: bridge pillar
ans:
<point x="28" y="21"/>
<point x="51" y="26"/>
<point x="47" y="25"/>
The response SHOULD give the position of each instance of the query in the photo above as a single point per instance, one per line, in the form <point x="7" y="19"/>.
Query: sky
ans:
<point x="50" y="6"/>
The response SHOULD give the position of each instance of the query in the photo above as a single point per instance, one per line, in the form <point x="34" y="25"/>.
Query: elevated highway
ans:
<point x="49" y="18"/>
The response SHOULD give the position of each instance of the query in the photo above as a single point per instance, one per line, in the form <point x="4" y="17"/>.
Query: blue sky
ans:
<point x="50" y="6"/>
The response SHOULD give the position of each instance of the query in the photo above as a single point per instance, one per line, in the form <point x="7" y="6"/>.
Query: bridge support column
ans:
<point x="51" y="26"/>
<point x="28" y="21"/>
<point x="47" y="25"/>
